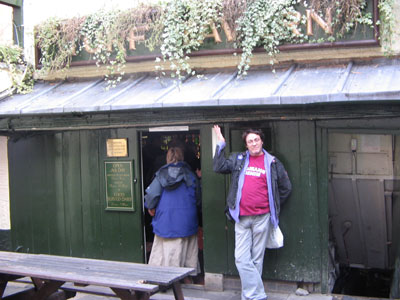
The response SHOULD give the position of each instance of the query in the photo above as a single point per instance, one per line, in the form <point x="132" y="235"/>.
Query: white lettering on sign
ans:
<point x="253" y="171"/>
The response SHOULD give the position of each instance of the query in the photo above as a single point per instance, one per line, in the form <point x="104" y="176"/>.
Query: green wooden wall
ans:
<point x="57" y="196"/>
<point x="58" y="200"/>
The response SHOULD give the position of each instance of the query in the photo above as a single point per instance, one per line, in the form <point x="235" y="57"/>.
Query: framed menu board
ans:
<point x="119" y="187"/>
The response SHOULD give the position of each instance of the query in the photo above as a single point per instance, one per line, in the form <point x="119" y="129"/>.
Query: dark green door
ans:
<point x="58" y="195"/>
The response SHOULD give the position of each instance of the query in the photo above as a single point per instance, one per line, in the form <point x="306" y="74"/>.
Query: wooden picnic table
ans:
<point x="50" y="272"/>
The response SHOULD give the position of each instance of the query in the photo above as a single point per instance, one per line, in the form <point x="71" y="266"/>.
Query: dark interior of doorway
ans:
<point x="363" y="282"/>
<point x="154" y="149"/>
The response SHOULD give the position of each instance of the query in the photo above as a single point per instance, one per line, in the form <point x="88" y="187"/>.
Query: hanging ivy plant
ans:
<point x="102" y="39"/>
<point x="265" y="24"/>
<point x="58" y="41"/>
<point x="186" y="24"/>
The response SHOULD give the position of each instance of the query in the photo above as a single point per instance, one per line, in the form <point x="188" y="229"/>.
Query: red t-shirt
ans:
<point x="254" y="199"/>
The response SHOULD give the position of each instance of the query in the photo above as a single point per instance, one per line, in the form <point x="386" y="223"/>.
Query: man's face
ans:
<point x="254" y="144"/>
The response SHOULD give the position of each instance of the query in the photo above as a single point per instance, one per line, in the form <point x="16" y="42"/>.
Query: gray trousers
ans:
<point x="250" y="238"/>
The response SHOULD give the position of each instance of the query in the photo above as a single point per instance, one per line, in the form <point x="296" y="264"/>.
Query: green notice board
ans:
<point x="119" y="188"/>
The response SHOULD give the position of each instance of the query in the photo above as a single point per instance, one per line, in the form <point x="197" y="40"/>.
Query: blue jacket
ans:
<point x="175" y="194"/>
<point x="279" y="185"/>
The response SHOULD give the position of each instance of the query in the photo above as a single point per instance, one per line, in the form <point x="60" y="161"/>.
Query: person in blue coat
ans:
<point x="173" y="199"/>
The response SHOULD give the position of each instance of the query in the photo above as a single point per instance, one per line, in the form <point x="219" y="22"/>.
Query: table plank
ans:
<point x="122" y="275"/>
<point x="136" y="272"/>
<point x="144" y="271"/>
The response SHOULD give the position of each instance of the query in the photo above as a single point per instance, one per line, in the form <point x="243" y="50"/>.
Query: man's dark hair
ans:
<point x="255" y="131"/>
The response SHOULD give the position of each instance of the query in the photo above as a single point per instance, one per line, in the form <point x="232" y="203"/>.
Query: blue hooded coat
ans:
<point x="175" y="194"/>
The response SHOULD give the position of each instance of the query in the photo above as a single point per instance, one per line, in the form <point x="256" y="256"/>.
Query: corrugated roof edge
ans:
<point x="300" y="84"/>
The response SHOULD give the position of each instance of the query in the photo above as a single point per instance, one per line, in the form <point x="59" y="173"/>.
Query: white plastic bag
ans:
<point x="275" y="238"/>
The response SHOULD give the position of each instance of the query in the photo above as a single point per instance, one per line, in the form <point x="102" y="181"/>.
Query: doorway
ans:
<point x="363" y="191"/>
<point x="154" y="147"/>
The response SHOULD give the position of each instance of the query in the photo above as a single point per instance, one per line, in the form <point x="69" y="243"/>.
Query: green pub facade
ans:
<point x="79" y="160"/>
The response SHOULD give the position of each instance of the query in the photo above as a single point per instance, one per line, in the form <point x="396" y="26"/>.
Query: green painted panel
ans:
<point x="109" y="219"/>
<point x="42" y="175"/>
<point x="20" y="164"/>
<point x="91" y="205"/>
<point x="310" y="236"/>
<point x="32" y="165"/>
<point x="299" y="259"/>
<point x="234" y="144"/>
<point x="72" y="192"/>
<point x="322" y="163"/>
<point x="132" y="242"/>
<point x="122" y="231"/>
<point x="57" y="231"/>
<point x="213" y="201"/>
<point x="280" y="263"/>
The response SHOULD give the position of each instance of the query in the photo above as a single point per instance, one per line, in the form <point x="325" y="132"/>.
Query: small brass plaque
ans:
<point x="117" y="147"/>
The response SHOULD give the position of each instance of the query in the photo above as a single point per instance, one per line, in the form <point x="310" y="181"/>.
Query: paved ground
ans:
<point x="192" y="293"/>
<point x="196" y="292"/>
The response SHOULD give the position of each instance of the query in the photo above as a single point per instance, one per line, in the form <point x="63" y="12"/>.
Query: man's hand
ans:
<point x="152" y="212"/>
<point x="217" y="131"/>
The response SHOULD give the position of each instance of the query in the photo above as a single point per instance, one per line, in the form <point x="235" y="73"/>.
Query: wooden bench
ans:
<point x="50" y="274"/>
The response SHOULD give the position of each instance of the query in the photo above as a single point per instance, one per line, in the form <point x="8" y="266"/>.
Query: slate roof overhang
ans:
<point x="375" y="80"/>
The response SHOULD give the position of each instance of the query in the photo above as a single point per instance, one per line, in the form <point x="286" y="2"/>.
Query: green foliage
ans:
<point x="11" y="55"/>
<point x="21" y="73"/>
<point x="186" y="24"/>
<point x="57" y="40"/>
<point x="387" y="24"/>
<point x="179" y="27"/>
<point x="265" y="23"/>
<point x="101" y="36"/>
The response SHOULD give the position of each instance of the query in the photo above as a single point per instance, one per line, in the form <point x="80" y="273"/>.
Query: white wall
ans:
<point x="6" y="38"/>
<point x="6" y="29"/>
<point x="4" y="192"/>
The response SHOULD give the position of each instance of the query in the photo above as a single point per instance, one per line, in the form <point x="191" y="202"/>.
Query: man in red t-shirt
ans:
<point x="255" y="190"/>
<point x="254" y="202"/>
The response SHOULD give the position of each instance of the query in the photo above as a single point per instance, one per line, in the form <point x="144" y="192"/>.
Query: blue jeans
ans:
<point x="250" y="238"/>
